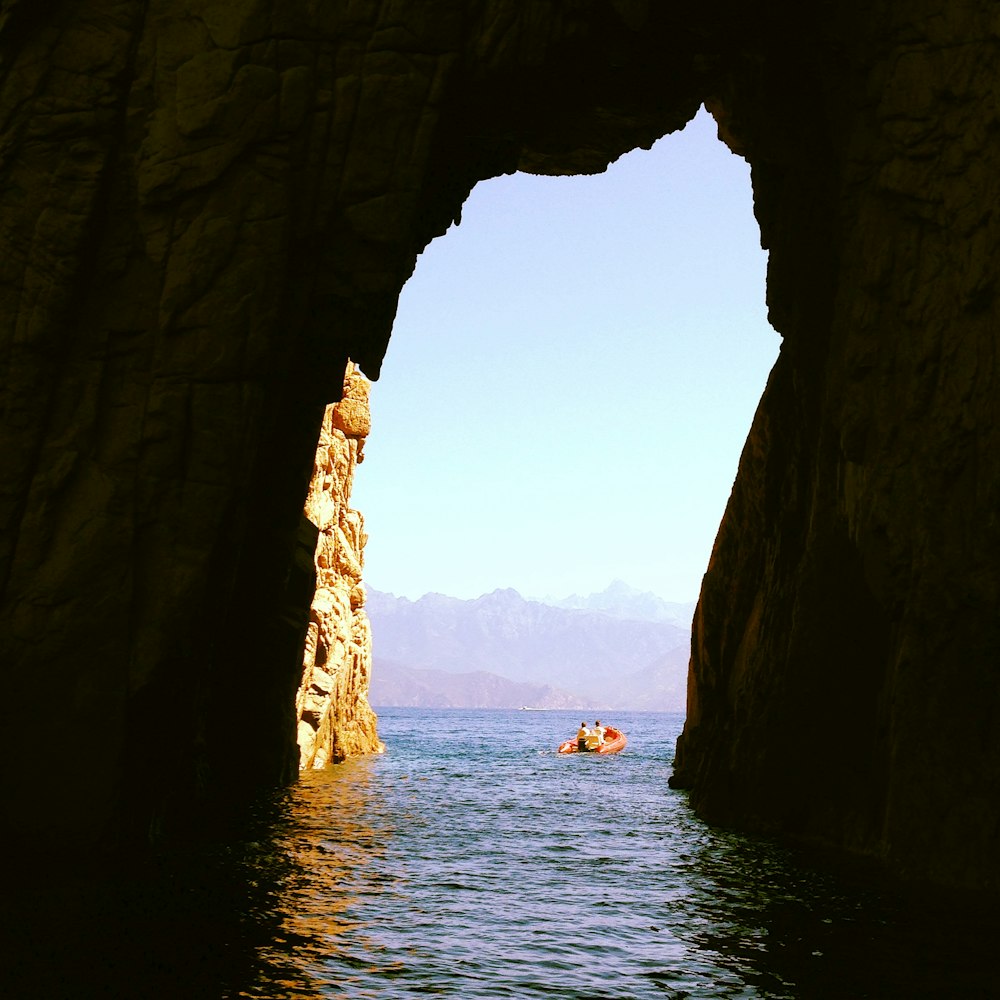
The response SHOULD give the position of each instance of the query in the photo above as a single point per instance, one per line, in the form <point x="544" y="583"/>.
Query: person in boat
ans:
<point x="583" y="734"/>
<point x="596" y="737"/>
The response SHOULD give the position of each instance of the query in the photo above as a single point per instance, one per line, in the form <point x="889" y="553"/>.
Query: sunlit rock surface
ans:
<point x="335" y="720"/>
<point x="208" y="207"/>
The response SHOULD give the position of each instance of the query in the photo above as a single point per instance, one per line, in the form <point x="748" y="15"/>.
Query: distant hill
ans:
<point x="597" y="657"/>
<point x="659" y="687"/>
<point x="623" y="601"/>
<point x="394" y="684"/>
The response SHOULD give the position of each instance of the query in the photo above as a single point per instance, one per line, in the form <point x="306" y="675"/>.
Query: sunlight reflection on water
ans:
<point x="473" y="861"/>
<point x="466" y="863"/>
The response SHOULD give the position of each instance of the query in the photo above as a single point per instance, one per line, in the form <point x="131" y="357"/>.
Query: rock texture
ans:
<point x="208" y="206"/>
<point x="845" y="658"/>
<point x="335" y="720"/>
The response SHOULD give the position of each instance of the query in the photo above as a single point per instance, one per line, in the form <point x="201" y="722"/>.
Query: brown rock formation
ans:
<point x="335" y="720"/>
<point x="844" y="663"/>
<point x="209" y="206"/>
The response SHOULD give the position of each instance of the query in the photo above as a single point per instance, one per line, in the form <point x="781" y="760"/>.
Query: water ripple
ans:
<point x="472" y="861"/>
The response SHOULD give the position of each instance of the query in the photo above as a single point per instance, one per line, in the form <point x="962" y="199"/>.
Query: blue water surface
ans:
<point x="471" y="860"/>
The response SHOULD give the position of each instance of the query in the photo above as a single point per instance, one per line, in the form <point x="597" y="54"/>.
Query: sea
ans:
<point x="472" y="860"/>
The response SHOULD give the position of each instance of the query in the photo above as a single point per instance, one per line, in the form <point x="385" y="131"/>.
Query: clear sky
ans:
<point x="571" y="377"/>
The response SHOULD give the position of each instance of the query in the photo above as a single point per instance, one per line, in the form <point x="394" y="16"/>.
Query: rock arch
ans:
<point x="209" y="206"/>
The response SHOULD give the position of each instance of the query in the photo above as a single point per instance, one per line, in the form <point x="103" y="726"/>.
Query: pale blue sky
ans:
<point x="572" y="374"/>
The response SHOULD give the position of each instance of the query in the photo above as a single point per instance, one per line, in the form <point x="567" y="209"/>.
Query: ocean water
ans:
<point x="471" y="860"/>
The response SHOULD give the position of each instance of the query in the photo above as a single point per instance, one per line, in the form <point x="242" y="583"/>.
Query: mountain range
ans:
<point x="622" y="601"/>
<point x="620" y="649"/>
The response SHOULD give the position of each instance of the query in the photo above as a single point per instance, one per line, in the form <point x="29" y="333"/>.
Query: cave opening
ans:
<point x="571" y="377"/>
<point x="223" y="209"/>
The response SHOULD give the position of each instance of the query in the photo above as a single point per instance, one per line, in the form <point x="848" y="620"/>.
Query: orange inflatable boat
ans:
<point x="614" y="740"/>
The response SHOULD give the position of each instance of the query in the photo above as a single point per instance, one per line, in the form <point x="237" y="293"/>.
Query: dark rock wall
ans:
<point x="846" y="651"/>
<point x="207" y="206"/>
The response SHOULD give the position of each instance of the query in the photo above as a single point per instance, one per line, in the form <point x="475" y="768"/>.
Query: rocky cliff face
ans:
<point x="865" y="494"/>
<point x="335" y="720"/>
<point x="209" y="206"/>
